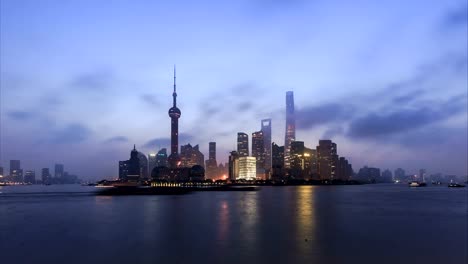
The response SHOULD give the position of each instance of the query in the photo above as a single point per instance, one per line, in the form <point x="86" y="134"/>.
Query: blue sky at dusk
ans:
<point x="82" y="81"/>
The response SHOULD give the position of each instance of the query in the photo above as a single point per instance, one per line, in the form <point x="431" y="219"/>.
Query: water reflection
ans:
<point x="306" y="235"/>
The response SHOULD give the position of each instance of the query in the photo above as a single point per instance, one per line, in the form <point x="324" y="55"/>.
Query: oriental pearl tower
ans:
<point x="174" y="114"/>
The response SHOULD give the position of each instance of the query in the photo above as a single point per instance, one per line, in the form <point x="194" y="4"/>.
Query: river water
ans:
<point x="306" y="224"/>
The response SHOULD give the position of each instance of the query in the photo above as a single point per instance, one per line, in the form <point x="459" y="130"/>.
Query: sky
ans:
<point x="81" y="81"/>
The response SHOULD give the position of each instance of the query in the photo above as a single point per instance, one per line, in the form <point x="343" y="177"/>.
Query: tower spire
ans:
<point x="174" y="94"/>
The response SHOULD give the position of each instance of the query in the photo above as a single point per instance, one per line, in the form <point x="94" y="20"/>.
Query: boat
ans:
<point x="417" y="184"/>
<point x="455" y="185"/>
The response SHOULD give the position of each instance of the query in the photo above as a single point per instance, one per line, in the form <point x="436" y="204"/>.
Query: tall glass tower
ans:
<point x="290" y="134"/>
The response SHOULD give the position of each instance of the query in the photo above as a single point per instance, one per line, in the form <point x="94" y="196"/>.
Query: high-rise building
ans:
<point x="368" y="174"/>
<point x="130" y="169"/>
<point x="143" y="165"/>
<point x="58" y="172"/>
<point x="16" y="173"/>
<point x="2" y="176"/>
<point x="342" y="172"/>
<point x="290" y="134"/>
<point x="327" y="159"/>
<point x="387" y="176"/>
<point x="30" y="176"/>
<point x="211" y="164"/>
<point x="277" y="161"/>
<point x="161" y="158"/>
<point x="233" y="165"/>
<point x="266" y="129"/>
<point x="45" y="176"/>
<point x="302" y="160"/>
<point x="152" y="162"/>
<point x="422" y="175"/>
<point x="242" y="144"/>
<point x="191" y="156"/>
<point x="247" y="168"/>
<point x="399" y="174"/>
<point x="258" y="151"/>
<point x="174" y="114"/>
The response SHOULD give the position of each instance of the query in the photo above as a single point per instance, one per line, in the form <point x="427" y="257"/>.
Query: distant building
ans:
<point x="242" y="144"/>
<point x="45" y="176"/>
<point x="161" y="158"/>
<point x="58" y="172"/>
<point x="387" y="176"/>
<point x="30" y="177"/>
<point x="266" y="129"/>
<point x="152" y="162"/>
<point x="191" y="156"/>
<point x="399" y="175"/>
<point x="123" y="169"/>
<point x="258" y="151"/>
<point x="277" y="162"/>
<point x="16" y="173"/>
<point x="2" y="176"/>
<point x="290" y="134"/>
<point x="422" y="175"/>
<point x="327" y="159"/>
<point x="299" y="164"/>
<point x="368" y="174"/>
<point x="247" y="168"/>
<point x="211" y="164"/>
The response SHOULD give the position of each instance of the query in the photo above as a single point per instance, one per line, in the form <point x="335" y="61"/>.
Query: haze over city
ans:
<point x="386" y="81"/>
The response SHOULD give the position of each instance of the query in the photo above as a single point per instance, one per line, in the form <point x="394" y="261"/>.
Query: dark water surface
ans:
<point x="307" y="224"/>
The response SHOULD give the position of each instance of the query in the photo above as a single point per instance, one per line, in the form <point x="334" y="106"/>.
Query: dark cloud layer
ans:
<point x="72" y="133"/>
<point x="20" y="115"/>
<point x="117" y="139"/>
<point x="457" y="17"/>
<point x="93" y="81"/>
<point x="312" y="116"/>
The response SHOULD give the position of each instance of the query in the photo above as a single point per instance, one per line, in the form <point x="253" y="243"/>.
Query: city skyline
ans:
<point x="405" y="100"/>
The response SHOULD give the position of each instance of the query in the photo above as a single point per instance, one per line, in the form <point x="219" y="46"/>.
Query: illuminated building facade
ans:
<point x="247" y="168"/>
<point x="242" y="144"/>
<point x="301" y="161"/>
<point x="191" y="156"/>
<point x="290" y="134"/>
<point x="327" y="158"/>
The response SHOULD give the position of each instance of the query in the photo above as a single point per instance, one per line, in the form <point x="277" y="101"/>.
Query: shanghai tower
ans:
<point x="174" y="114"/>
<point x="290" y="134"/>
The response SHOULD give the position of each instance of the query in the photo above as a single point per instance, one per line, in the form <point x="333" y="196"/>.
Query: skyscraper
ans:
<point x="290" y="134"/>
<point x="2" y="177"/>
<point x="174" y="114"/>
<point x="211" y="163"/>
<point x="191" y="156"/>
<point x="327" y="159"/>
<point x="16" y="173"/>
<point x="242" y="144"/>
<point x="58" y="171"/>
<point x="45" y="176"/>
<point x="161" y="158"/>
<point x="247" y="168"/>
<point x="258" y="151"/>
<point x="266" y="129"/>
<point x="152" y="162"/>
<point x="233" y="165"/>
<point x="143" y="160"/>
<point x="277" y="161"/>
<point x="30" y="176"/>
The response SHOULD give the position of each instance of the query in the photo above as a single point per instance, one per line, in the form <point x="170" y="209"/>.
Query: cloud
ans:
<point x="456" y="17"/>
<point x="165" y="142"/>
<point x="150" y="99"/>
<point x="408" y="97"/>
<point x="72" y="133"/>
<point x="403" y="120"/>
<point x="244" y="106"/>
<point x="21" y="115"/>
<point x="117" y="139"/>
<point x="94" y="81"/>
<point x="313" y="116"/>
